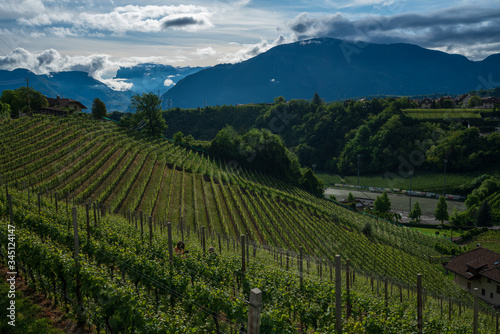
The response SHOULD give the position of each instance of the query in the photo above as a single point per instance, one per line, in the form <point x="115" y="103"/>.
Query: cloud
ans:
<point x="187" y="23"/>
<point x="150" y="18"/>
<point x="252" y="50"/>
<point x="13" y="9"/>
<point x="168" y="83"/>
<point x="99" y="66"/>
<point x="204" y="52"/>
<point x="452" y="29"/>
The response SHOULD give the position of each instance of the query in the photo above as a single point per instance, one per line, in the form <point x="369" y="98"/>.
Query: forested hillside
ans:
<point x="331" y="136"/>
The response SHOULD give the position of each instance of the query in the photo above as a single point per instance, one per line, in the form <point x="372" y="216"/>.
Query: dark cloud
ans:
<point x="181" y="22"/>
<point x="459" y="26"/>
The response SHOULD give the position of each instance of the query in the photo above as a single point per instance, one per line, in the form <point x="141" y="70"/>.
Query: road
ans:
<point x="400" y="203"/>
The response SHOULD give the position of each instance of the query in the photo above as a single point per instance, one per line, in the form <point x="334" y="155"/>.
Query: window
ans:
<point x="491" y="295"/>
<point x="483" y="292"/>
<point x="489" y="280"/>
<point x="469" y="286"/>
<point x="498" y="289"/>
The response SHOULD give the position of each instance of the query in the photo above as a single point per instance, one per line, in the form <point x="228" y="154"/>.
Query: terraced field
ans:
<point x="118" y="169"/>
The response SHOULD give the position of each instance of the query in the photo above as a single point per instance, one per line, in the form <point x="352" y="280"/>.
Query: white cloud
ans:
<point x="168" y="82"/>
<point x="12" y="9"/>
<point x="208" y="51"/>
<point x="150" y="18"/>
<point x="118" y="84"/>
<point x="101" y="67"/>
<point x="251" y="50"/>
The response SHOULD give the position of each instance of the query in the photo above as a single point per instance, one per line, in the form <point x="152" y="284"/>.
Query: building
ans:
<point x="426" y="103"/>
<point x="489" y="102"/>
<point x="478" y="268"/>
<point x="61" y="107"/>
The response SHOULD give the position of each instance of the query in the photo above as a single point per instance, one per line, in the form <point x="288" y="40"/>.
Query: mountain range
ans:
<point x="81" y="87"/>
<point x="335" y="69"/>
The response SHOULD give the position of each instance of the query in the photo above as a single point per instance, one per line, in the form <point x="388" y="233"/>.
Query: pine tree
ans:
<point x="98" y="109"/>
<point x="416" y="212"/>
<point x="484" y="214"/>
<point x="441" y="212"/>
<point x="382" y="204"/>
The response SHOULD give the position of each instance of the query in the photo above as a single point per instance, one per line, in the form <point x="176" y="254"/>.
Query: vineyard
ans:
<point x="124" y="277"/>
<point x="61" y="161"/>
<point x="439" y="114"/>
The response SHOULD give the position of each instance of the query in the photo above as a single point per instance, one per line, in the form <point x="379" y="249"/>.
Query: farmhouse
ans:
<point x="489" y="102"/>
<point x="60" y="106"/>
<point x="426" y="103"/>
<point x="478" y="268"/>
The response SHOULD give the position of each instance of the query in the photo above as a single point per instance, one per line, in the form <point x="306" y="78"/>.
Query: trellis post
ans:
<point x="338" y="295"/>
<point x="254" y="311"/>
<point x="419" y="304"/>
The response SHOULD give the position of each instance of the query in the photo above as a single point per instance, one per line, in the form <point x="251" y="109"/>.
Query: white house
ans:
<point x="478" y="268"/>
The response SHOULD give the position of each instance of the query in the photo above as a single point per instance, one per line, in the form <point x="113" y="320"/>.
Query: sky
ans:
<point x="98" y="37"/>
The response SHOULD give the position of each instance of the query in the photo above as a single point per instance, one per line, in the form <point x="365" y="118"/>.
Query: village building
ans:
<point x="60" y="107"/>
<point x="426" y="103"/>
<point x="478" y="268"/>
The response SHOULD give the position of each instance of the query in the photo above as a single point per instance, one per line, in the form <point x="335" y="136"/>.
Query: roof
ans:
<point x="475" y="263"/>
<point x="61" y="103"/>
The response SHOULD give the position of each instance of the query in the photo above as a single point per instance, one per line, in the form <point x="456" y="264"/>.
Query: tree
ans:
<point x="416" y="212"/>
<point x="316" y="100"/>
<point x="4" y="111"/>
<point x="179" y="137"/>
<point x="311" y="183"/>
<point x="24" y="99"/>
<point x="382" y="204"/>
<point x="98" y="109"/>
<point x="441" y="212"/>
<point x="484" y="214"/>
<point x="350" y="197"/>
<point x="148" y="109"/>
<point x="474" y="101"/>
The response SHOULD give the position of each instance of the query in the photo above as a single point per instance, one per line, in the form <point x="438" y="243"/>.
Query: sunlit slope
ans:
<point x="89" y="160"/>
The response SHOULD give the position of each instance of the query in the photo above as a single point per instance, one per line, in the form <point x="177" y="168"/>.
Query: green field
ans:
<point x="439" y="114"/>
<point x="126" y="279"/>
<point x="490" y="240"/>
<point x="421" y="181"/>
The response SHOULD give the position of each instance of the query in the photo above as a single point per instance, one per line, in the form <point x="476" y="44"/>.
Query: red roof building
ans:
<point x="478" y="268"/>
<point x="60" y="106"/>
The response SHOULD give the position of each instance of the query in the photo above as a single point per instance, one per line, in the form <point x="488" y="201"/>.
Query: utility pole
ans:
<point x="444" y="176"/>
<point x="411" y="174"/>
<point x="28" y="86"/>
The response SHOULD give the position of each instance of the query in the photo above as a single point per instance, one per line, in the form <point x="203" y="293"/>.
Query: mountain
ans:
<point x="153" y="77"/>
<point x="80" y="86"/>
<point x="73" y="84"/>
<point x="334" y="69"/>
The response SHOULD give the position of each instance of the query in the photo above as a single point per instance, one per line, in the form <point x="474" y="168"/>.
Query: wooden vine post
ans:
<point x="476" y="311"/>
<point x="301" y="274"/>
<point x="338" y="295"/>
<point x="170" y="251"/>
<point x="77" y="264"/>
<point x="243" y="254"/>
<point x="87" y="208"/>
<point x="419" y="304"/>
<point x="254" y="311"/>
<point x="203" y="245"/>
<point x="150" y="222"/>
